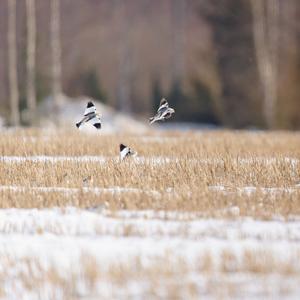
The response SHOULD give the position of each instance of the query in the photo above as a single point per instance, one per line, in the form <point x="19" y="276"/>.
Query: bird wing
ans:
<point x="163" y="104"/>
<point x="90" y="109"/>
<point x="163" y="101"/>
<point x="95" y="121"/>
<point x="124" y="152"/>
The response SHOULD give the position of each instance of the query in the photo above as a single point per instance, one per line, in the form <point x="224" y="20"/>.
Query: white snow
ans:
<point x="74" y="221"/>
<point x="246" y="190"/>
<point x="67" y="190"/>
<point x="252" y="189"/>
<point x="71" y="112"/>
<point x="52" y="159"/>
<point x="143" y="159"/>
<point x="71" y="253"/>
<point x="100" y="159"/>
<point x="66" y="242"/>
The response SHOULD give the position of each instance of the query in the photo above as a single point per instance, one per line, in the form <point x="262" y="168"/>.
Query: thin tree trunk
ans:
<point x="12" y="64"/>
<point x="124" y="78"/>
<point x="236" y="101"/>
<point x="124" y="90"/>
<point x="266" y="36"/>
<point x="178" y="20"/>
<point x="56" y="53"/>
<point x="31" y="48"/>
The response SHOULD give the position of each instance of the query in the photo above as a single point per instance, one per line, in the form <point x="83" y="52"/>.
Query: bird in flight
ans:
<point x="90" y="116"/>
<point x="126" y="152"/>
<point x="164" y="112"/>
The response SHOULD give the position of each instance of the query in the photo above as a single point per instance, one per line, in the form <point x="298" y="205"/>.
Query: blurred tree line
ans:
<point x="226" y="62"/>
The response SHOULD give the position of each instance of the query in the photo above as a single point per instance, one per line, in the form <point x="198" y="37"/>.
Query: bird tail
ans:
<point x="151" y="120"/>
<point x="78" y="124"/>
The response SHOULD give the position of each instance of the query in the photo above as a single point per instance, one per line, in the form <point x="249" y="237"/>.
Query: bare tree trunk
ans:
<point x="266" y="39"/>
<point x="56" y="53"/>
<point x="124" y="87"/>
<point x="31" y="47"/>
<point x="236" y="103"/>
<point x="12" y="64"/>
<point x="178" y="18"/>
<point x="124" y="78"/>
<point x="289" y="75"/>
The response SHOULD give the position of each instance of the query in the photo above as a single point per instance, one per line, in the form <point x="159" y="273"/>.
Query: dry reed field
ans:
<point x="203" y="172"/>
<point x="199" y="214"/>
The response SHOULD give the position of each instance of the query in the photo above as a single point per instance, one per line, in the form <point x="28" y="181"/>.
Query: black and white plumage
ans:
<point x="91" y="116"/>
<point x="126" y="152"/>
<point x="164" y="112"/>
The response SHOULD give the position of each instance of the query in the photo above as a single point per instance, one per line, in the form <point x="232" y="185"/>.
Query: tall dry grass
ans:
<point x="206" y="144"/>
<point x="175" y="171"/>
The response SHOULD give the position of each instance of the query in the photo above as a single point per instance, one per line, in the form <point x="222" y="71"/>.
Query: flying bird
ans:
<point x="164" y="112"/>
<point x="90" y="116"/>
<point x="126" y="152"/>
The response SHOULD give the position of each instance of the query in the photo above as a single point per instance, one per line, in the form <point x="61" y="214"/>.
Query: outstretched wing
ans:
<point x="95" y="121"/>
<point x="126" y="151"/>
<point x="123" y="151"/>
<point x="163" y="101"/>
<point x="163" y="104"/>
<point x="90" y="109"/>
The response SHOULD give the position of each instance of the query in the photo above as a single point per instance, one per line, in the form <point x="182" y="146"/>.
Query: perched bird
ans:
<point x="90" y="116"/>
<point x="126" y="152"/>
<point x="164" y="112"/>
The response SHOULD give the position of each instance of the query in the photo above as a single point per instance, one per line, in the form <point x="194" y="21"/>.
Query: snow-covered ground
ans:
<point x="72" y="111"/>
<point x="98" y="253"/>
<point x="90" y="190"/>
<point x="294" y="162"/>
<point x="71" y="253"/>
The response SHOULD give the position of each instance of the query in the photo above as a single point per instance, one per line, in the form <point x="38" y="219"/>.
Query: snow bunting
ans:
<point x="91" y="116"/>
<point x="164" y="112"/>
<point x="126" y="152"/>
<point x="87" y="181"/>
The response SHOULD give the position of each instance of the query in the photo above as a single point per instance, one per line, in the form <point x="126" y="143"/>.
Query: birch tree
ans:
<point x="30" y="64"/>
<point x="178" y="20"/>
<point x="266" y="40"/>
<point x="56" y="53"/>
<point x="125" y="71"/>
<point x="12" y="64"/>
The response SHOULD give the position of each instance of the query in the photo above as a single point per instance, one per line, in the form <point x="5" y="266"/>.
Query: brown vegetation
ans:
<point x="174" y="172"/>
